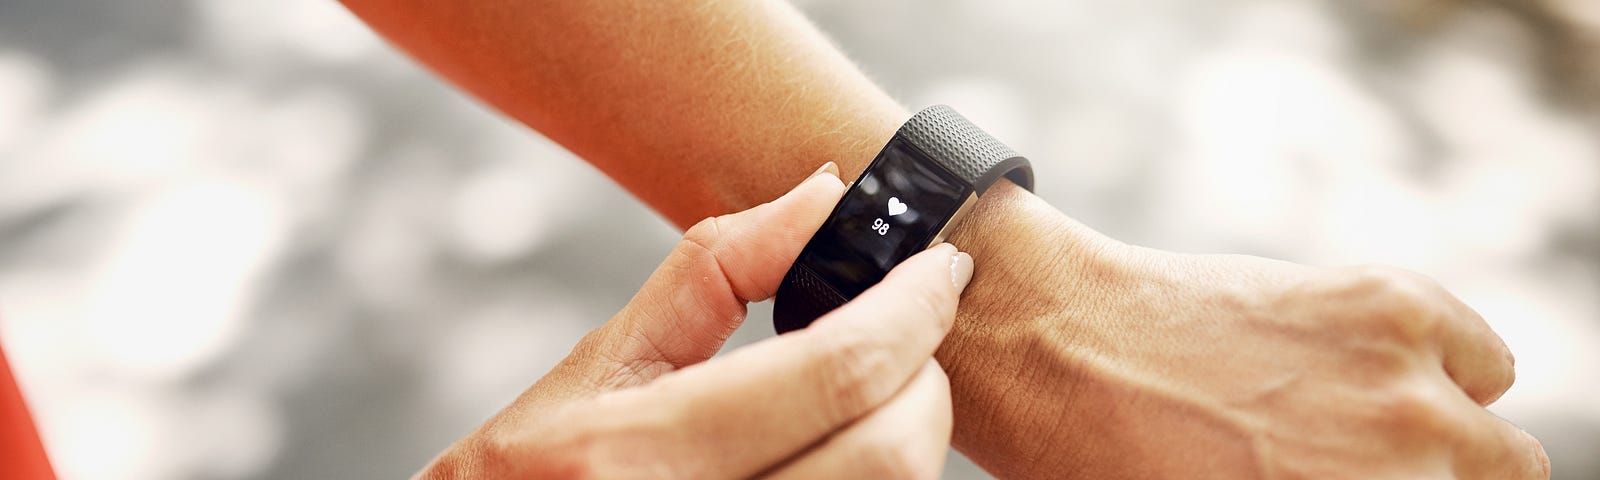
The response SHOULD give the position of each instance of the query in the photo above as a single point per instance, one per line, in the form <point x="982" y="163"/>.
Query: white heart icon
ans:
<point x="895" y="207"/>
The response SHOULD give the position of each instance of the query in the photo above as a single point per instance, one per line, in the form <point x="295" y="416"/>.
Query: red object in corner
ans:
<point x="21" y="455"/>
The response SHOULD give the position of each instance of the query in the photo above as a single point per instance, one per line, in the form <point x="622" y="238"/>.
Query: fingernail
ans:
<point x="960" y="270"/>
<point x="827" y="169"/>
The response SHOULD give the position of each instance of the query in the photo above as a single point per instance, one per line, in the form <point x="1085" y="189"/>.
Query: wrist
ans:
<point x="1030" y="254"/>
<point x="1036" y="273"/>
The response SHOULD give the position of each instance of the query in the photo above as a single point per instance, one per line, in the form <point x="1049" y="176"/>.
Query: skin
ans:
<point x="1072" y="355"/>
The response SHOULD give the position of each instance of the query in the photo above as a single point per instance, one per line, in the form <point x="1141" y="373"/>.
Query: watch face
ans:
<point x="890" y="214"/>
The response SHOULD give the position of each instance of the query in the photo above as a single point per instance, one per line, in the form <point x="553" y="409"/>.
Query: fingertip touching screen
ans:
<point x="890" y="214"/>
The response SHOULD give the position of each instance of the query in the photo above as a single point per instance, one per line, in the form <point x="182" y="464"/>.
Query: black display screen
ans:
<point x="890" y="214"/>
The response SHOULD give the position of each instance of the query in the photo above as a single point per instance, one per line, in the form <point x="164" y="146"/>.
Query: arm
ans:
<point x="1072" y="353"/>
<point x="699" y="108"/>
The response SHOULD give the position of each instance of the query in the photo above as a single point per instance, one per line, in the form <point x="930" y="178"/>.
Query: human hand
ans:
<point x="1077" y="356"/>
<point x="857" y="395"/>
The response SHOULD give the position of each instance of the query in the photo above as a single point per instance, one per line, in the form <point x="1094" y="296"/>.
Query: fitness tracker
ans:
<point x="923" y="182"/>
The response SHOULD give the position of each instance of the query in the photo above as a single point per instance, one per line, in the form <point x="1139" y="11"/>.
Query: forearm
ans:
<point x="698" y="107"/>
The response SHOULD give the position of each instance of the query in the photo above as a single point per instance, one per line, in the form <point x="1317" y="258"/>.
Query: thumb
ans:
<point x="696" y="298"/>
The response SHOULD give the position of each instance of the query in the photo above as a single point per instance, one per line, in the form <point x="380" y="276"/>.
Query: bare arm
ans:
<point x="698" y="107"/>
<point x="1072" y="353"/>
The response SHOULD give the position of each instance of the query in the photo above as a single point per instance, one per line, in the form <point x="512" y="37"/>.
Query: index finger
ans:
<point x="760" y="404"/>
<point x="1469" y="351"/>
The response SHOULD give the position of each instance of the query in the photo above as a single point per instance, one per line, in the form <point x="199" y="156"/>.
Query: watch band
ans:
<point x="950" y="141"/>
<point x="805" y="297"/>
<point x="964" y="149"/>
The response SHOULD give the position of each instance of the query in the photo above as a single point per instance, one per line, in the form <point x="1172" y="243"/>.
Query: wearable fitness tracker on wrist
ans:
<point x="923" y="182"/>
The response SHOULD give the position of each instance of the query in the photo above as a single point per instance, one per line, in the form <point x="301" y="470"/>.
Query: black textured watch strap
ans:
<point x="964" y="149"/>
<point x="801" y="298"/>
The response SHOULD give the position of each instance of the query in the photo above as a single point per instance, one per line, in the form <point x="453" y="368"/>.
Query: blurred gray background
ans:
<point x="246" y="239"/>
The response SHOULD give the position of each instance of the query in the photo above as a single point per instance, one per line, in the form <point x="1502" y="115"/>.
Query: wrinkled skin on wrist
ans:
<point x="1076" y="356"/>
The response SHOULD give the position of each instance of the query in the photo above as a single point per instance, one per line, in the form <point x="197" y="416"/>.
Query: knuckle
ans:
<point x="569" y="454"/>
<point x="1410" y="409"/>
<point x="854" y="364"/>
<point x="1541" y="460"/>
<point x="602" y="443"/>
<point x="1399" y="304"/>
<point x="705" y="233"/>
<point x="514" y="453"/>
<point x="700" y="242"/>
<point x="1521" y="455"/>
